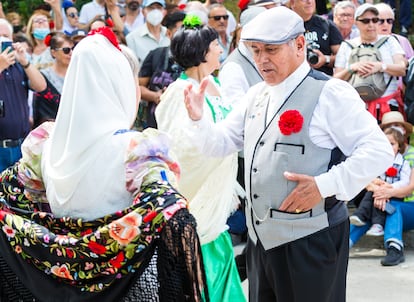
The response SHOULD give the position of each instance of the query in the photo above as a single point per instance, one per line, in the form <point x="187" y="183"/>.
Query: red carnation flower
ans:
<point x="47" y="40"/>
<point x="391" y="172"/>
<point x="243" y="4"/>
<point x="291" y="121"/>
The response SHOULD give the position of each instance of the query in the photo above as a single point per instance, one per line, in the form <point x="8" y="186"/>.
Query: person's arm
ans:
<point x="147" y="94"/>
<point x="339" y="114"/>
<point x="6" y="59"/>
<point x="57" y="14"/>
<point x="2" y="14"/>
<point x="36" y="80"/>
<point x="397" y="68"/>
<point x="113" y="11"/>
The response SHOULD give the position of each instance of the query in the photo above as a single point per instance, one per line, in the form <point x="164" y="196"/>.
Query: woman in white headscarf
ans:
<point x="93" y="201"/>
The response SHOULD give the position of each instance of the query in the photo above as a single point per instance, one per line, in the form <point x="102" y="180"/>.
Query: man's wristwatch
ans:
<point x="383" y="67"/>
<point x="327" y="60"/>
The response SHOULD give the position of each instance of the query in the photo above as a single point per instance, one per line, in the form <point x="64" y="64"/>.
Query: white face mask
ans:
<point x="154" y="17"/>
<point x="4" y="39"/>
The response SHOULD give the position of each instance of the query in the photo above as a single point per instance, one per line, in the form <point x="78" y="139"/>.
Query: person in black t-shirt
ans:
<point x="322" y="36"/>
<point x="158" y="71"/>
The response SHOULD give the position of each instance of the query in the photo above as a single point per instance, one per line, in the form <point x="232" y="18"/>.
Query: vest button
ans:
<point x="255" y="196"/>
<point x="254" y="170"/>
<point x="257" y="222"/>
<point x="261" y="143"/>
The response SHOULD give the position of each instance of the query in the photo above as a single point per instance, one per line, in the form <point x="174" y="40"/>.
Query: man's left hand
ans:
<point x="304" y="197"/>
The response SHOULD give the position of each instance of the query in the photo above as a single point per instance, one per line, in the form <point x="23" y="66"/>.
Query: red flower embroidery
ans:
<point x="291" y="121"/>
<point x="150" y="216"/>
<point x="96" y="248"/>
<point x="391" y="172"/>
<point x="107" y="33"/>
<point x="117" y="260"/>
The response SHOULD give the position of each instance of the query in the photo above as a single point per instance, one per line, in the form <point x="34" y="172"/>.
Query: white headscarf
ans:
<point x="98" y="98"/>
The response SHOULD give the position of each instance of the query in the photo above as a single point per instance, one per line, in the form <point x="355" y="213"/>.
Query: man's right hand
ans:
<point x="7" y="58"/>
<point x="194" y="100"/>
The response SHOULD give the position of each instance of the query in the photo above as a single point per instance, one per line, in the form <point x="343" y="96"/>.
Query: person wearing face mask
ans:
<point x="151" y="34"/>
<point x="38" y="27"/>
<point x="134" y="16"/>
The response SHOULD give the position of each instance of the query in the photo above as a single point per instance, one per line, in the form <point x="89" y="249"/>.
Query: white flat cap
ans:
<point x="277" y="25"/>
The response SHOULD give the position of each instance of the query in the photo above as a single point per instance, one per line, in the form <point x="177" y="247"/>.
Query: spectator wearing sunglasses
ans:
<point x="71" y="18"/>
<point x="393" y="63"/>
<point x="46" y="102"/>
<point x="218" y="19"/>
<point x="385" y="24"/>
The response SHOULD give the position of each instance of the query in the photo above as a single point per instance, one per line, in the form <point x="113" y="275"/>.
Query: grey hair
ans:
<point x="7" y="23"/>
<point x="383" y="7"/>
<point x="132" y="59"/>
<point x="344" y="4"/>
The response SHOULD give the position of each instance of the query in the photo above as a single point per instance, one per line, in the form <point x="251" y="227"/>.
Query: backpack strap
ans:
<point x="381" y="42"/>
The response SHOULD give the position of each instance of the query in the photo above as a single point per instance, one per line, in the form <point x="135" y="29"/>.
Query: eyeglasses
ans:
<point x="367" y="20"/>
<point x="345" y="15"/>
<point x="217" y="18"/>
<point x="66" y="50"/>
<point x="389" y="21"/>
<point x="40" y="21"/>
<point x="73" y="15"/>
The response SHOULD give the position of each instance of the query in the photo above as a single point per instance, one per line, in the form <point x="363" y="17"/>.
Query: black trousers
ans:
<point x="310" y="269"/>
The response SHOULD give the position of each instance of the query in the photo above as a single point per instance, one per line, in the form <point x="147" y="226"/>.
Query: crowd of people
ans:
<point x="133" y="132"/>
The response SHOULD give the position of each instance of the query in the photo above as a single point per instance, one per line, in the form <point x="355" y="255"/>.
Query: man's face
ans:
<point x="218" y="19"/>
<point x="277" y="62"/>
<point x="367" y="25"/>
<point x="304" y="8"/>
<point x="344" y="18"/>
<point x="5" y="32"/>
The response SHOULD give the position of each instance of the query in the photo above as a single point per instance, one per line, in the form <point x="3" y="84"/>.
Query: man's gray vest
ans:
<point x="249" y="69"/>
<point x="269" y="153"/>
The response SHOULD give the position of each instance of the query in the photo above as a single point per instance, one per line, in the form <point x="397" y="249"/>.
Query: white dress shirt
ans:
<point x="339" y="120"/>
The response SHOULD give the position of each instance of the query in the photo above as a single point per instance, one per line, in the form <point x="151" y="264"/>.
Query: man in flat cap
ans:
<point x="309" y="144"/>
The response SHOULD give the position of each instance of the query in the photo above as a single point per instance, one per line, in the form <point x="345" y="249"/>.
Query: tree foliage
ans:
<point x="26" y="7"/>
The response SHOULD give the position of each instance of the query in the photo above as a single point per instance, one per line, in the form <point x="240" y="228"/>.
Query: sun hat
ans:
<point x="362" y="9"/>
<point x="394" y="117"/>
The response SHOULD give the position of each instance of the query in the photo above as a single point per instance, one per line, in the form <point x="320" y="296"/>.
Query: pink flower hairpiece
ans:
<point x="107" y="33"/>
<point x="291" y="121"/>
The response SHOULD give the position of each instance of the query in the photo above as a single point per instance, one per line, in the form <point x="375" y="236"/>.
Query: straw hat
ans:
<point x="395" y="117"/>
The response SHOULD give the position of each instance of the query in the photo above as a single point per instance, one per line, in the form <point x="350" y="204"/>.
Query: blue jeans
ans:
<point x="9" y="156"/>
<point x="401" y="220"/>
<point x="395" y="224"/>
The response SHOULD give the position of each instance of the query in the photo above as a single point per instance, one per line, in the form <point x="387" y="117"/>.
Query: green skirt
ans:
<point x="223" y="279"/>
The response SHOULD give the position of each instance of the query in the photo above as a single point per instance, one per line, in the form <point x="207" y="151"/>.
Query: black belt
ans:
<point x="10" y="143"/>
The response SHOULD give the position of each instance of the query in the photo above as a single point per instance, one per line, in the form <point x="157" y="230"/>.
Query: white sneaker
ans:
<point x="355" y="220"/>
<point x="376" y="230"/>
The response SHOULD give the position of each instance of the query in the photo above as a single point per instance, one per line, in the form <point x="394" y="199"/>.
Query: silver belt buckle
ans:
<point x="5" y="142"/>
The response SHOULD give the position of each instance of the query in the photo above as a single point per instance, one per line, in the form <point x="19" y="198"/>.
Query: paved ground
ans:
<point x="369" y="281"/>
